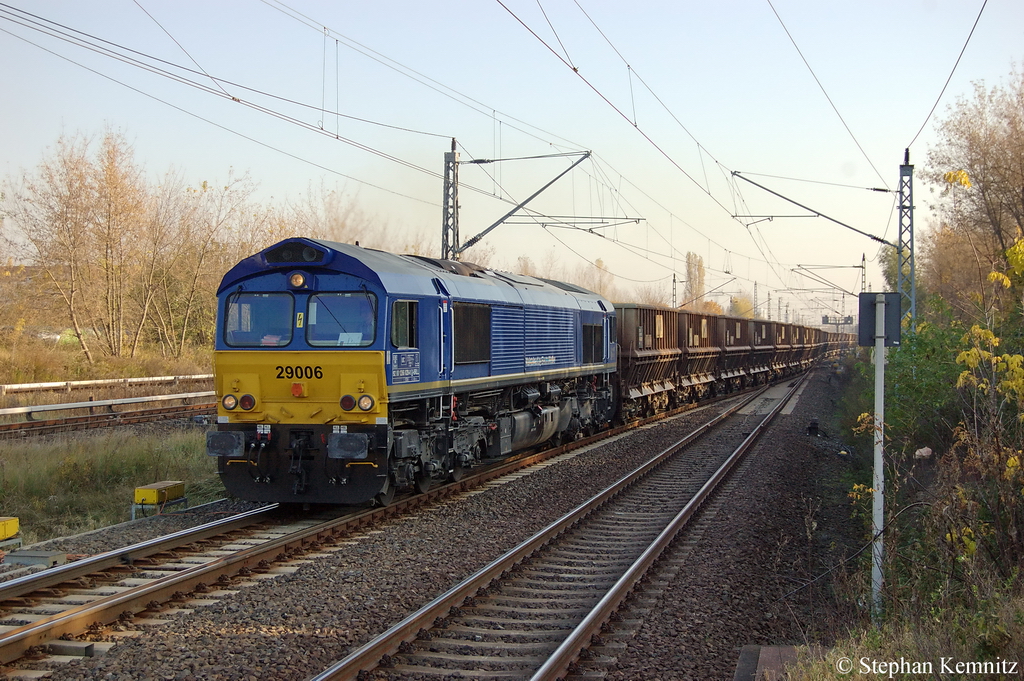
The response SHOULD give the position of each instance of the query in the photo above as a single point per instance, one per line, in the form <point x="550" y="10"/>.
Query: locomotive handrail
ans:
<point x="10" y="388"/>
<point x="10" y="411"/>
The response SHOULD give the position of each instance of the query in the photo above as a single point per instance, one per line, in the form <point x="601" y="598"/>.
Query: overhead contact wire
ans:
<point x="824" y="92"/>
<point x="943" y="91"/>
<point x="614" y="108"/>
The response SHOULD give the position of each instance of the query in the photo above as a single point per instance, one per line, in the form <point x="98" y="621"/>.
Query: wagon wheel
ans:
<point x="423" y="481"/>
<point x="457" y="472"/>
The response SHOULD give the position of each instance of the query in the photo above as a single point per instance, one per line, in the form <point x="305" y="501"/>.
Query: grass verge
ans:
<point x="69" y="484"/>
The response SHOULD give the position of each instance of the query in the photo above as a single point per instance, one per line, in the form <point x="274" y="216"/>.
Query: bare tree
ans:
<point x="121" y="198"/>
<point x="50" y="217"/>
<point x="213" y="228"/>
<point x="693" y="289"/>
<point x="651" y="294"/>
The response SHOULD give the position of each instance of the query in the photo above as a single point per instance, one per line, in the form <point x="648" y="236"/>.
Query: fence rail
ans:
<point x="109" y="404"/>
<point x="68" y="386"/>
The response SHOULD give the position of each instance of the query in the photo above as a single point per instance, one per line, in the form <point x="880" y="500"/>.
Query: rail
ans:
<point x="68" y="386"/>
<point x="127" y="555"/>
<point x="389" y="642"/>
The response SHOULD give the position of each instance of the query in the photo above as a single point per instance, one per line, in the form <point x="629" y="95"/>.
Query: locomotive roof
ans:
<point x="416" y="275"/>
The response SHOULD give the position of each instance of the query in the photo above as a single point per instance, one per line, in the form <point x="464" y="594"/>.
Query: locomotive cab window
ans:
<point x="258" y="320"/>
<point x="341" y="319"/>
<point x="403" y="324"/>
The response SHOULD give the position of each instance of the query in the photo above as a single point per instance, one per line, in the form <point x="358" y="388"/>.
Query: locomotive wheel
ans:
<point x="457" y="472"/>
<point x="386" y="495"/>
<point x="423" y="481"/>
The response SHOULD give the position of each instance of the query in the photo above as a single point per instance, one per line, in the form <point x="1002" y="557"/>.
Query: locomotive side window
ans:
<point x="341" y="319"/>
<point x="593" y="343"/>
<point x="472" y="333"/>
<point x="258" y="320"/>
<point x="403" y="324"/>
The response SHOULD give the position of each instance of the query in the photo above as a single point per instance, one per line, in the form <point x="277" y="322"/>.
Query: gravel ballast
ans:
<point x="293" y="626"/>
<point x="786" y="522"/>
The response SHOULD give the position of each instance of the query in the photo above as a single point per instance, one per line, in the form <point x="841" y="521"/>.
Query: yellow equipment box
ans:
<point x="160" y="492"/>
<point x="8" y="527"/>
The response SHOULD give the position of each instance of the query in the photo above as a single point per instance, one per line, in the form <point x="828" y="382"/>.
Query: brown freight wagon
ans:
<point x="649" y="356"/>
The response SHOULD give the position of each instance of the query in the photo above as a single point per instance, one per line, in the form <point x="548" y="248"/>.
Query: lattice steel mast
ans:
<point x="450" y="206"/>
<point x="905" y="275"/>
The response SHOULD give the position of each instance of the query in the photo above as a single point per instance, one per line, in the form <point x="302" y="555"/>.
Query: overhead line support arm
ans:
<point x="509" y="214"/>
<point x="817" y="213"/>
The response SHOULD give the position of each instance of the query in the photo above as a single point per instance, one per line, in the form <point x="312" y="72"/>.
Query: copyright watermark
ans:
<point x="944" y="665"/>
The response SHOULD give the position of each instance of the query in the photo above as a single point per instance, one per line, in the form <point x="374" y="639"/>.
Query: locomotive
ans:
<point x="345" y="373"/>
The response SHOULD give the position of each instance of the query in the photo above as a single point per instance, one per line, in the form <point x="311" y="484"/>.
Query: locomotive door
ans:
<point x="444" y="340"/>
<point x="444" y="331"/>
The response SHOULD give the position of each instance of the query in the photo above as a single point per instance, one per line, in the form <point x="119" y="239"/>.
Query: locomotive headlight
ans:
<point x="247" y="402"/>
<point x="348" y="403"/>
<point x="365" y="402"/>
<point x="297" y="280"/>
<point x="229" y="402"/>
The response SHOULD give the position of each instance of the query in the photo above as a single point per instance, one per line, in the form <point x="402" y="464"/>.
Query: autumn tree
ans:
<point x="977" y="168"/>
<point x="130" y="262"/>
<point x="119" y="220"/>
<point x="741" y="305"/>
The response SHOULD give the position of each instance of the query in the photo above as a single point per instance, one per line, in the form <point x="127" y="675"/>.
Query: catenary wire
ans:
<point x="180" y="46"/>
<point x="218" y="125"/>
<point x="824" y="92"/>
<point x="489" y="111"/>
<point x="943" y="91"/>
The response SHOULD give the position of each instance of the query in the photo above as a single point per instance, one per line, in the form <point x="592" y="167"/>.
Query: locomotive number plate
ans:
<point x="299" y="371"/>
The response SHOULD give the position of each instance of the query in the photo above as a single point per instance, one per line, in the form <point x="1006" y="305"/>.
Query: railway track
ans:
<point x="101" y="403"/>
<point x="65" y="601"/>
<point x="69" y="600"/>
<point x="167" y="575"/>
<point x="105" y="420"/>
<point x="532" y="613"/>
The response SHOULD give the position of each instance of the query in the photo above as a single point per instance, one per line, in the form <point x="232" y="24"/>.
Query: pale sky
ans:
<point x="671" y="98"/>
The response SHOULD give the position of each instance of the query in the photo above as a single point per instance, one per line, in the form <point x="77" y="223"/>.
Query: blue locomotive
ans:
<point x="345" y="373"/>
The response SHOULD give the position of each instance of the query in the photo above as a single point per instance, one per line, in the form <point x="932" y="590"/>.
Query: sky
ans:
<point x="816" y="101"/>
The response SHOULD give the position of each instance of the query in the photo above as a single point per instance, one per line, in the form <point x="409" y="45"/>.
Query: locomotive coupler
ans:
<point x="296" y="468"/>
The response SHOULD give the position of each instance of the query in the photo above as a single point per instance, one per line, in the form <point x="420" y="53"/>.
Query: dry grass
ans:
<point x="32" y="360"/>
<point x="69" y="484"/>
<point x="953" y="636"/>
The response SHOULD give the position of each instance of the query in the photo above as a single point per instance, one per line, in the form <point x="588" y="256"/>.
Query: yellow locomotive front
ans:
<point x="303" y="404"/>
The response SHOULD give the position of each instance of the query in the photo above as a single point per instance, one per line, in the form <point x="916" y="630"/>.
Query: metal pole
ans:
<point x="450" y="206"/>
<point x="878" y="498"/>
<point x="905" y="275"/>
